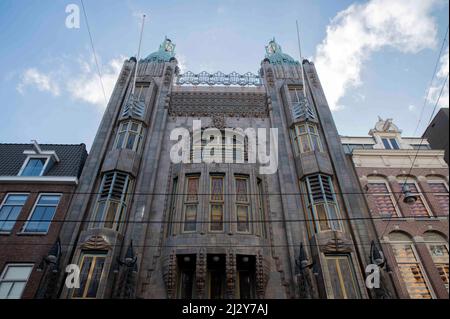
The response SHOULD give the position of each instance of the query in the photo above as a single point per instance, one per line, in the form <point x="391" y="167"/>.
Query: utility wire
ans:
<point x="93" y="51"/>
<point x="431" y="82"/>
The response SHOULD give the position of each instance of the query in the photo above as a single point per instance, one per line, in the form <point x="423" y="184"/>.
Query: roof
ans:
<point x="72" y="158"/>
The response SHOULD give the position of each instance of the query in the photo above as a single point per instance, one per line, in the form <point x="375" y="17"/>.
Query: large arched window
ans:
<point x="410" y="266"/>
<point x="438" y="247"/>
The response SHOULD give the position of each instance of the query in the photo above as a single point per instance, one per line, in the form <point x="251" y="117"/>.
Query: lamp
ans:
<point x="408" y="197"/>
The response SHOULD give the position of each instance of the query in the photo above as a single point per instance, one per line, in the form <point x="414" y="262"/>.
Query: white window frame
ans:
<point x="4" y="202"/>
<point x="5" y="270"/>
<point x="23" y="231"/>
<point x="394" y="201"/>
<point x="29" y="157"/>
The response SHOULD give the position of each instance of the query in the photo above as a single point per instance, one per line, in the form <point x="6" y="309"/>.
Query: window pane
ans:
<point x="16" y="290"/>
<point x="342" y="276"/>
<point x="14" y="273"/>
<point x="217" y="188"/>
<point x="241" y="190"/>
<point x="386" y="144"/>
<point x="316" y="143"/>
<point x="216" y="217"/>
<point x="130" y="141"/>
<point x="394" y="144"/>
<point x="5" y="287"/>
<point x="332" y="210"/>
<point x="379" y="194"/>
<point x="95" y="277"/>
<point x="304" y="142"/>
<point x="192" y="189"/>
<point x="242" y="217"/>
<point x="322" y="216"/>
<point x="84" y="273"/>
<point x="111" y="214"/>
<point x="190" y="218"/>
<point x="49" y="200"/>
<point x="13" y="199"/>
<point x="120" y="140"/>
<point x="34" y="167"/>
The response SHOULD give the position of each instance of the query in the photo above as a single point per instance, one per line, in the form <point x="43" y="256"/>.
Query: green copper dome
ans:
<point x="276" y="56"/>
<point x="165" y="53"/>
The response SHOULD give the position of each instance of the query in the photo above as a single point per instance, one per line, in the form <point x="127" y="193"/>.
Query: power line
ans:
<point x="431" y="82"/>
<point x="93" y="50"/>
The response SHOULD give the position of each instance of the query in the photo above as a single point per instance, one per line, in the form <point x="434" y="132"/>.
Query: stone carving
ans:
<point x="201" y="273"/>
<point x="168" y="76"/>
<point x="170" y="274"/>
<point x="218" y="121"/>
<point x="262" y="275"/>
<point x="270" y="78"/>
<point x="337" y="243"/>
<point x="230" y="266"/>
<point x="231" y="104"/>
<point x="219" y="78"/>
<point x="96" y="242"/>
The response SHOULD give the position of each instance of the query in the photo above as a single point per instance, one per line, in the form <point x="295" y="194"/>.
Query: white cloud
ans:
<point x="81" y="83"/>
<point x="86" y="84"/>
<point x="411" y="108"/>
<point x="440" y="78"/>
<point x="362" y="29"/>
<point x="43" y="82"/>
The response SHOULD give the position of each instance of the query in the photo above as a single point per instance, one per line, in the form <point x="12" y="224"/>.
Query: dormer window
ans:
<point x="390" y="143"/>
<point x="38" y="161"/>
<point x="34" y="166"/>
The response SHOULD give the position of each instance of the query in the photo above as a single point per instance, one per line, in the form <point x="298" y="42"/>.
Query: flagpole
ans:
<point x="138" y="55"/>
<point x="301" y="60"/>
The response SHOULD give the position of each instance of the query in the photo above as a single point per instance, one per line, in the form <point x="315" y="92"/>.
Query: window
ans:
<point x="42" y="215"/>
<point x="112" y="200"/>
<point x="34" y="166"/>
<point x="390" y="143"/>
<point x="246" y="271"/>
<point x="380" y="194"/>
<point x="440" y="192"/>
<point x="173" y="204"/>
<point x="10" y="210"/>
<point x="129" y="136"/>
<point x="216" y="203"/>
<point x="262" y="216"/>
<point x="191" y="203"/>
<point x="409" y="266"/>
<point x="242" y="204"/>
<point x="438" y="247"/>
<point x="91" y="269"/>
<point x="216" y="276"/>
<point x="342" y="276"/>
<point x="307" y="138"/>
<point x="322" y="203"/>
<point x="419" y="208"/>
<point x="13" y="280"/>
<point x="186" y="266"/>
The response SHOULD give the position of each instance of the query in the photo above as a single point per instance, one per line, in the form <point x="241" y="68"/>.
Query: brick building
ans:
<point x="437" y="132"/>
<point x="414" y="235"/>
<point x="36" y="182"/>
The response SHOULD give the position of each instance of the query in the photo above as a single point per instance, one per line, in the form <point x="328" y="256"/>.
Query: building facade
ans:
<point x="36" y="186"/>
<point x="152" y="227"/>
<point x="406" y="186"/>
<point x="437" y="132"/>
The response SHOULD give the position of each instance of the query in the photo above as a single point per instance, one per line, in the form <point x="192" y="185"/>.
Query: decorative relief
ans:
<point x="270" y="78"/>
<point x="219" y="78"/>
<point x="124" y="75"/>
<point x="168" y="76"/>
<point x="262" y="275"/>
<point x="231" y="104"/>
<point x="170" y="274"/>
<point x="337" y="243"/>
<point x="96" y="242"/>
<point x="201" y="273"/>
<point x="230" y="267"/>
<point x="218" y="121"/>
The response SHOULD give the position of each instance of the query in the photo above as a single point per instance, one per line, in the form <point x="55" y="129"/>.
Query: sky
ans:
<point x="374" y="58"/>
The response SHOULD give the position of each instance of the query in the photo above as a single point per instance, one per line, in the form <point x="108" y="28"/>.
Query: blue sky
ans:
<point x="374" y="57"/>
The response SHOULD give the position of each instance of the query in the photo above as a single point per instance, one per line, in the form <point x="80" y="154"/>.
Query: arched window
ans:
<point x="380" y="194"/>
<point x="439" y="188"/>
<point x="438" y="247"/>
<point x="410" y="266"/>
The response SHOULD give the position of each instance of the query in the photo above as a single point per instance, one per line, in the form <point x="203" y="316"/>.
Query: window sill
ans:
<point x="22" y="233"/>
<point x="5" y="233"/>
